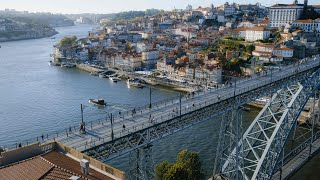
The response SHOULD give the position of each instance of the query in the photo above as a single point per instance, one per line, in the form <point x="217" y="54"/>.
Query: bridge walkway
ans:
<point x="101" y="132"/>
<point x="298" y="161"/>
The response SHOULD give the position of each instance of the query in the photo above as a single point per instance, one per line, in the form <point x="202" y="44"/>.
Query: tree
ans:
<point x="162" y="168"/>
<point x="250" y="48"/>
<point x="177" y="172"/>
<point x="68" y="41"/>
<point x="187" y="166"/>
<point x="1" y="150"/>
<point x="234" y="61"/>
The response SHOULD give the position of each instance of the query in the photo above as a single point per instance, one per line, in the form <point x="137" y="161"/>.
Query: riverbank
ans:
<point x="90" y="68"/>
<point x="158" y="83"/>
<point x="25" y="35"/>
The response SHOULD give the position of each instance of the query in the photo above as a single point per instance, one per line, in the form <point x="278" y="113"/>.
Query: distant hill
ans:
<point x="127" y="15"/>
<point x="52" y="20"/>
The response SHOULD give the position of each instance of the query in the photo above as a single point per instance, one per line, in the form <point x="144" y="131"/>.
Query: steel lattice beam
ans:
<point x="265" y="138"/>
<point x="127" y="143"/>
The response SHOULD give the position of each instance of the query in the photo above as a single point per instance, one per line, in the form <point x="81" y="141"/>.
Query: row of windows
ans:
<point x="309" y="25"/>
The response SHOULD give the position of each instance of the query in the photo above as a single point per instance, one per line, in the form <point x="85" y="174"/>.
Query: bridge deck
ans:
<point x="100" y="133"/>
<point x="297" y="162"/>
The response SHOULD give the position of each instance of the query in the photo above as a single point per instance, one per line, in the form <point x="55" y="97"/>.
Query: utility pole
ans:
<point x="111" y="121"/>
<point x="81" y="113"/>
<point x="150" y="106"/>
<point x="271" y="74"/>
<point x="235" y="87"/>
<point x="180" y="102"/>
<point x="82" y="124"/>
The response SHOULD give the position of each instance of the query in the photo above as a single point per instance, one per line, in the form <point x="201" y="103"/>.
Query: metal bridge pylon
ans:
<point x="257" y="154"/>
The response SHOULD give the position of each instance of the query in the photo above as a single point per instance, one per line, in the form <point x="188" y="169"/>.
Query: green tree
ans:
<point x="177" y="172"/>
<point x="250" y="48"/>
<point x="162" y="168"/>
<point x="68" y="41"/>
<point x="234" y="61"/>
<point x="187" y="166"/>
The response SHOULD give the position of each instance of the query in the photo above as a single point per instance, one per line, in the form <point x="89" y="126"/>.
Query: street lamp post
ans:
<point x="150" y="106"/>
<point x="180" y="102"/>
<point x="82" y="124"/>
<point x="111" y="121"/>
<point x="235" y="83"/>
<point x="271" y="73"/>
<point x="235" y="87"/>
<point x="81" y="113"/>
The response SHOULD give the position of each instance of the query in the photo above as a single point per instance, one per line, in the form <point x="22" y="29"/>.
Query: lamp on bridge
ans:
<point x="82" y="124"/>
<point x="233" y="78"/>
<point x="150" y="106"/>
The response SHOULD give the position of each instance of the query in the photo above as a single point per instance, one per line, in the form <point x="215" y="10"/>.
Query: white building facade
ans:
<point x="308" y="25"/>
<point x="283" y="14"/>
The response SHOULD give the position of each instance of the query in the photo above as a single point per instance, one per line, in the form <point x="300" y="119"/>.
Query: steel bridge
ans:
<point x="134" y="131"/>
<point x="264" y="151"/>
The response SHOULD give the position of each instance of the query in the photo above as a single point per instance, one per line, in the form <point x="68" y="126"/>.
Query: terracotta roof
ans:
<point x="33" y="168"/>
<point x="296" y="31"/>
<point x="66" y="162"/>
<point x="265" y="45"/>
<point x="259" y="28"/>
<point x="315" y="6"/>
<point x="284" y="48"/>
<point x="239" y="29"/>
<point x="52" y="165"/>
<point x="284" y="5"/>
<point x="265" y="21"/>
<point x="202" y="9"/>
<point x="303" y="21"/>
<point x="262" y="52"/>
<point x="57" y="173"/>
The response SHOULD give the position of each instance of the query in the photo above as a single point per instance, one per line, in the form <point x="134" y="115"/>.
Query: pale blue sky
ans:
<point x="110" y="6"/>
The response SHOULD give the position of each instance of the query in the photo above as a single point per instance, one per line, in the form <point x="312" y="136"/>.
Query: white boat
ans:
<point x="98" y="102"/>
<point x="50" y="63"/>
<point x="262" y="100"/>
<point x="259" y="103"/>
<point x="68" y="65"/>
<point x="134" y="83"/>
<point x="114" y="79"/>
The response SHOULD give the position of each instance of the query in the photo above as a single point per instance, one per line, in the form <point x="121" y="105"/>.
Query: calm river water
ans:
<point x="38" y="99"/>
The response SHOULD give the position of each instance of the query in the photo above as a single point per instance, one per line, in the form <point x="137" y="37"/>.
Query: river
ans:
<point x="39" y="99"/>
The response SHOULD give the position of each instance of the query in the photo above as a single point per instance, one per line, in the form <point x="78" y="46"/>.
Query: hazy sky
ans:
<point x="110" y="6"/>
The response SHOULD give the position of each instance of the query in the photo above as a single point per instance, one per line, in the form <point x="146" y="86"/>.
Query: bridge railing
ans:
<point x="211" y="96"/>
<point x="294" y="152"/>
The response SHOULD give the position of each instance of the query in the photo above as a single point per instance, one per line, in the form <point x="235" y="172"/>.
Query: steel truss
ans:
<point x="138" y="139"/>
<point x="263" y="142"/>
<point x="230" y="131"/>
<point x="141" y="163"/>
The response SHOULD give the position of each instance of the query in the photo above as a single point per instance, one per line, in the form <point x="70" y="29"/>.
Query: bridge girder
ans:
<point x="122" y="145"/>
<point x="264" y="140"/>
